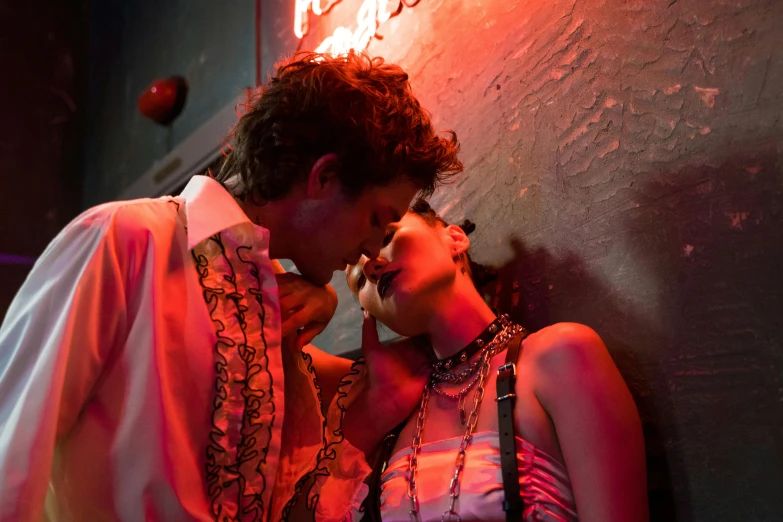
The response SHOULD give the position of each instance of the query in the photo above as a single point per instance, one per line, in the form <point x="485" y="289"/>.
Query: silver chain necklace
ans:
<point x="491" y="350"/>
<point x="438" y="373"/>
<point x="509" y="331"/>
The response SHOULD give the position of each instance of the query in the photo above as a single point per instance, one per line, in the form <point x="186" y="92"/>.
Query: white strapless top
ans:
<point x="543" y="482"/>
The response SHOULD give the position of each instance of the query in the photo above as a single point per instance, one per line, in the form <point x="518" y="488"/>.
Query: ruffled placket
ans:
<point x="240" y="291"/>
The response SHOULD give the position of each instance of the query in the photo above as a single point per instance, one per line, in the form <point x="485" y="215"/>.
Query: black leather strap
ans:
<point x="513" y="504"/>
<point x="372" y="503"/>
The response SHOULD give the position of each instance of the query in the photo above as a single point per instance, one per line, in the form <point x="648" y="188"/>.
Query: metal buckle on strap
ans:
<point x="509" y="366"/>
<point x="507" y="396"/>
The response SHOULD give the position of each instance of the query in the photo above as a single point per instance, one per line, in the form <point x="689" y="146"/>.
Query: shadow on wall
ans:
<point x="538" y="290"/>
<point x="687" y="297"/>
<point x="700" y="348"/>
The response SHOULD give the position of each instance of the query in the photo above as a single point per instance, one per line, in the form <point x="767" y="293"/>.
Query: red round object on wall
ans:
<point x="163" y="101"/>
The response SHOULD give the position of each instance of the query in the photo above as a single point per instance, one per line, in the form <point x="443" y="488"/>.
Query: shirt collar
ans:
<point x="210" y="209"/>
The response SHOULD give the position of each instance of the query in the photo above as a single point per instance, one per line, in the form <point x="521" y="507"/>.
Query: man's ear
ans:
<point x="460" y="242"/>
<point x="323" y="178"/>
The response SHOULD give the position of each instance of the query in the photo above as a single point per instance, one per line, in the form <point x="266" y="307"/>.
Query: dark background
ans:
<point x="623" y="168"/>
<point x="43" y="50"/>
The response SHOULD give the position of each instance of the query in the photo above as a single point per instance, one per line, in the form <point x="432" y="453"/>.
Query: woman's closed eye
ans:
<point x="360" y="280"/>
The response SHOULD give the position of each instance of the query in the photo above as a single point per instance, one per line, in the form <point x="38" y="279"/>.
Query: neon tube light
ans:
<point x="370" y="16"/>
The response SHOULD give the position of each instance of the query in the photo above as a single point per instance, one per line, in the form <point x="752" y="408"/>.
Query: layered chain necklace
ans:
<point x="491" y="342"/>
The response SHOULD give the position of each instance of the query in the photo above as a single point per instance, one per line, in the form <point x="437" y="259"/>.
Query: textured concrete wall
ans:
<point x="624" y="169"/>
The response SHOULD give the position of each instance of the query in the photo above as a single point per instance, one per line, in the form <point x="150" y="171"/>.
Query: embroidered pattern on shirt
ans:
<point x="244" y="408"/>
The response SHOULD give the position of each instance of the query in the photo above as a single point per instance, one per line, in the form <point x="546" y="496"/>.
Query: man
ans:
<point x="150" y="369"/>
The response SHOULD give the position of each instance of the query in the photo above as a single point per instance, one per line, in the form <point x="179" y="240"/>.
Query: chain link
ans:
<point x="456" y="396"/>
<point x="458" y="377"/>
<point x="509" y="331"/>
<point x="472" y="370"/>
<point x="413" y="462"/>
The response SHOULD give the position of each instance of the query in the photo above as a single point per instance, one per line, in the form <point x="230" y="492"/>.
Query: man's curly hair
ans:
<point x="360" y="108"/>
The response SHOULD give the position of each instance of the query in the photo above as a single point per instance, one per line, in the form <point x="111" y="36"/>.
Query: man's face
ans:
<point x="337" y="230"/>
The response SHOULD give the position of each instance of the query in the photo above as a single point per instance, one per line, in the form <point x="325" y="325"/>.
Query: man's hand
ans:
<point x="305" y="308"/>
<point x="392" y="387"/>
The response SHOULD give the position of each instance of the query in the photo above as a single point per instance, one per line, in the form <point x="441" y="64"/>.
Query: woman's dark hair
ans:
<point x="480" y="274"/>
<point x="359" y="108"/>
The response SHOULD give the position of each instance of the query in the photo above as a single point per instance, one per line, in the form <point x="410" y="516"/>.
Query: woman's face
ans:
<point x="407" y="280"/>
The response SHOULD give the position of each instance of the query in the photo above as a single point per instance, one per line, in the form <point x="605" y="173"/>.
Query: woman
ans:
<point x="579" y="445"/>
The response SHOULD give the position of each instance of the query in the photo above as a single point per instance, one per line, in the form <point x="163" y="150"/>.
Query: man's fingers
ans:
<point x="370" y="339"/>
<point x="295" y="321"/>
<point x="287" y="284"/>
<point x="307" y="334"/>
<point x="290" y="305"/>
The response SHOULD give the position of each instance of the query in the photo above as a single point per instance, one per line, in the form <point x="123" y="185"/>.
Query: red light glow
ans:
<point x="371" y="15"/>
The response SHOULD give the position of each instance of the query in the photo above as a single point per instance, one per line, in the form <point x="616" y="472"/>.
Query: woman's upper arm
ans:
<point x="597" y="424"/>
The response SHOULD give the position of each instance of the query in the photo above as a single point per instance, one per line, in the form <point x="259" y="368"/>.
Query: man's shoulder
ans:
<point x="133" y="217"/>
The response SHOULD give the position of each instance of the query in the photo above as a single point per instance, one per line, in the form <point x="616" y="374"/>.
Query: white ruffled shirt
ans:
<point x="142" y="377"/>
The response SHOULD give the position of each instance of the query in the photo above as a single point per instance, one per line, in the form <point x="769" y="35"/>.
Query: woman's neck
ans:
<point x="462" y="316"/>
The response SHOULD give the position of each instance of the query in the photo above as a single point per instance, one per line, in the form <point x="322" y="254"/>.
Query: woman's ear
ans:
<point x="459" y="240"/>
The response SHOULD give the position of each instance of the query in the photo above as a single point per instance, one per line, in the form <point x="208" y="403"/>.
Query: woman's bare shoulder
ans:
<point x="564" y="357"/>
<point x="560" y="345"/>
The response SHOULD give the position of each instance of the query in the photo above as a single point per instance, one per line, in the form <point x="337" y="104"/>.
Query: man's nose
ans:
<point x="372" y="249"/>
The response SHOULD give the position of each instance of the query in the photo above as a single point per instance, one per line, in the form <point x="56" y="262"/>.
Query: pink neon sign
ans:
<point x="369" y="17"/>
